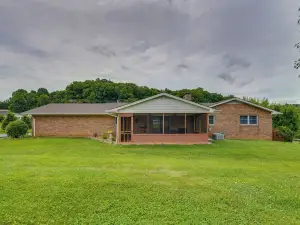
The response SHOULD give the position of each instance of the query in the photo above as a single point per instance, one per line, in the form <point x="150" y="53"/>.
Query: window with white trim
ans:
<point x="211" y="120"/>
<point x="248" y="120"/>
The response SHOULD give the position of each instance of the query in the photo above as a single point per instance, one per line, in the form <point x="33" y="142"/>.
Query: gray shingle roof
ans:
<point x="207" y="104"/>
<point x="74" y="109"/>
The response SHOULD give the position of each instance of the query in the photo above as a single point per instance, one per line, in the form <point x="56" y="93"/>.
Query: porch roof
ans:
<point x="162" y="103"/>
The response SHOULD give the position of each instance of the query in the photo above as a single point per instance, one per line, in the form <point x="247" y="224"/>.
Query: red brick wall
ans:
<point x="170" y="138"/>
<point x="73" y="126"/>
<point x="228" y="122"/>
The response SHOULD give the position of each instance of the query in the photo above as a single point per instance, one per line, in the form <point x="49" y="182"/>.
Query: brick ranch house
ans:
<point x="162" y="118"/>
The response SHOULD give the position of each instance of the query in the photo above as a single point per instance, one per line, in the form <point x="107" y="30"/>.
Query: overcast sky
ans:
<point x="240" y="47"/>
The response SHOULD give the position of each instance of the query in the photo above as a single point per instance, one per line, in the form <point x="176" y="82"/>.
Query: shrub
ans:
<point x="113" y="139"/>
<point x="26" y="119"/>
<point x="104" y="136"/>
<point x="297" y="135"/>
<point x="1" y="118"/>
<point x="17" y="129"/>
<point x="286" y="133"/>
<point x="10" y="117"/>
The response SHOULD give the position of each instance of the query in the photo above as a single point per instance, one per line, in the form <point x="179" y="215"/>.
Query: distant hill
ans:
<point x="98" y="91"/>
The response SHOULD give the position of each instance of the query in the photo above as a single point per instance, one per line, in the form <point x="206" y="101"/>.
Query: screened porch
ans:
<point x="164" y="128"/>
<point x="169" y="123"/>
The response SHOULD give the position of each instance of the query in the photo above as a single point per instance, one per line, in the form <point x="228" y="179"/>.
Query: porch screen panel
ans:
<point x="141" y="123"/>
<point x="204" y="123"/>
<point x="174" y="124"/>
<point x="148" y="123"/>
<point x="193" y="123"/>
<point x="156" y="123"/>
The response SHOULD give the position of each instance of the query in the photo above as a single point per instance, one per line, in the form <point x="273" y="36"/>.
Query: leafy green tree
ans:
<point x="43" y="100"/>
<point x="290" y="117"/>
<point x="4" y="104"/>
<point x="10" y="117"/>
<point x="27" y="119"/>
<point x="2" y="117"/>
<point x="19" y="103"/>
<point x="297" y="62"/>
<point x="17" y="129"/>
<point x="42" y="91"/>
<point x="286" y="133"/>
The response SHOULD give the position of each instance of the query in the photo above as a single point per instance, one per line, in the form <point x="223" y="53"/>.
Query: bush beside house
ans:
<point x="17" y="129"/>
<point x="26" y="119"/>
<point x="286" y="133"/>
<point x="2" y="118"/>
<point x="10" y="117"/>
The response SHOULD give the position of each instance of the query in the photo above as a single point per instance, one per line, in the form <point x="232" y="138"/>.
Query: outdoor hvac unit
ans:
<point x="218" y="136"/>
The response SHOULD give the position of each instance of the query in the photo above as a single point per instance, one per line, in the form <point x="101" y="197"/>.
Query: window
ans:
<point x="211" y="120"/>
<point x="253" y="120"/>
<point x="243" y="120"/>
<point x="248" y="120"/>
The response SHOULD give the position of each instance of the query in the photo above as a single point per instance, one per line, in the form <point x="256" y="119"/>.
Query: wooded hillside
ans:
<point x="97" y="91"/>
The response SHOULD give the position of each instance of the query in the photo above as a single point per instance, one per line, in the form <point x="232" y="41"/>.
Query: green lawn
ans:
<point x="81" y="181"/>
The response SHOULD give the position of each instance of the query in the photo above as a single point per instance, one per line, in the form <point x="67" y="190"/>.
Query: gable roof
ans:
<point x="273" y="112"/>
<point x="74" y="109"/>
<point x="158" y="96"/>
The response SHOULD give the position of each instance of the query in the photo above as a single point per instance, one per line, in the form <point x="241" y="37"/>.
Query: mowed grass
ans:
<point x="81" y="181"/>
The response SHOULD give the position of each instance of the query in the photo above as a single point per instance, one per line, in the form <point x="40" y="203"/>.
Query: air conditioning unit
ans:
<point x="218" y="136"/>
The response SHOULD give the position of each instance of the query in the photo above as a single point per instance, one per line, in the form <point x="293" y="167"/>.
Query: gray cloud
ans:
<point x="182" y="66"/>
<point x="227" y="77"/>
<point x="246" y="43"/>
<point x="103" y="50"/>
<point x="125" y="67"/>
<point x="245" y="83"/>
<point x="234" y="61"/>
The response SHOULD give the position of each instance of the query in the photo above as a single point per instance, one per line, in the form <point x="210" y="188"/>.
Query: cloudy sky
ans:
<point x="240" y="47"/>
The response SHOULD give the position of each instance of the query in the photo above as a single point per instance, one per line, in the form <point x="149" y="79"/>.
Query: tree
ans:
<point x="4" y="104"/>
<point x="26" y="119"/>
<point x="43" y="100"/>
<point x="10" y="117"/>
<point x="290" y="117"/>
<point x="1" y="118"/>
<point x="42" y="91"/>
<point x="297" y="62"/>
<point x="19" y="103"/>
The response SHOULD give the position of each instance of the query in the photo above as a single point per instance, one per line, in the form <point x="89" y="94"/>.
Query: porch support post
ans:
<point x="119" y="128"/>
<point x="185" y="123"/>
<point x="131" y="126"/>
<point x="163" y="125"/>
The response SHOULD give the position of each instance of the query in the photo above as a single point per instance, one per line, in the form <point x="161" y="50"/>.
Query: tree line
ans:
<point x="97" y="91"/>
<point x="104" y="91"/>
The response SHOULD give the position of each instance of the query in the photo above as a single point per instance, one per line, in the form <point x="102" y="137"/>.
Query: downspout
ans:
<point x="117" y="128"/>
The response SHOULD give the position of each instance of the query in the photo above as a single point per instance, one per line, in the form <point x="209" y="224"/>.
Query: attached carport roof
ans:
<point x="74" y="109"/>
